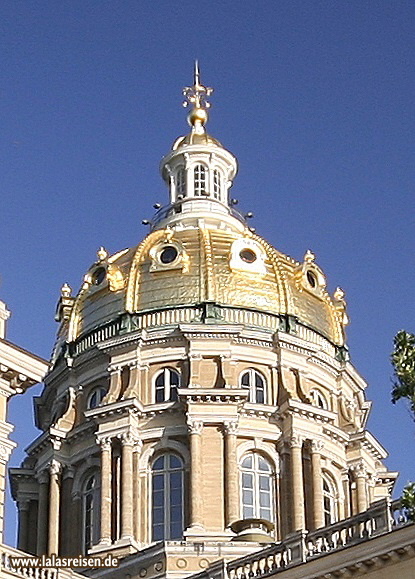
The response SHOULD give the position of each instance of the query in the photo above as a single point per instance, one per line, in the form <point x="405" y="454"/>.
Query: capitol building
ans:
<point x="200" y="416"/>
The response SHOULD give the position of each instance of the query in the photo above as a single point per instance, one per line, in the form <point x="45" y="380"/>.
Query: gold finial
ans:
<point x="102" y="253"/>
<point x="309" y="256"/>
<point x="196" y="95"/>
<point x="66" y="291"/>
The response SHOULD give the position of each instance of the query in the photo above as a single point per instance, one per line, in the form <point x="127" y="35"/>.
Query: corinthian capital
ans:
<point x="230" y="427"/>
<point x="195" y="426"/>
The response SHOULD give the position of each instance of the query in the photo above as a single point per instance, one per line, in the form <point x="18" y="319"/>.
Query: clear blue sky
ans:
<point x="315" y="98"/>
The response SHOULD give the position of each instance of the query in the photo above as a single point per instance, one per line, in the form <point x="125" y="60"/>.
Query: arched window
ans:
<point x="90" y="512"/>
<point x="318" y="399"/>
<point x="96" y="397"/>
<point x="166" y="385"/>
<point x="329" y="500"/>
<point x="167" y="498"/>
<point x="181" y="182"/>
<point x="257" y="487"/>
<point x="199" y="180"/>
<point x="217" y="184"/>
<point x="255" y="383"/>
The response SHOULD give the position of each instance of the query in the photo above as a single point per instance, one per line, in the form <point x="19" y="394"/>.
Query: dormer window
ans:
<point x="217" y="184"/>
<point x="181" y="182"/>
<point x="199" y="180"/>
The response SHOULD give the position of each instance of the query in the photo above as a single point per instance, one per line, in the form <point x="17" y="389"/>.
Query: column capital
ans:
<point x="104" y="442"/>
<point x="43" y="477"/>
<point x="230" y="427"/>
<point x="296" y="441"/>
<point x="317" y="445"/>
<point x="23" y="504"/>
<point x="195" y="426"/>
<point x="359" y="469"/>
<point x="130" y="439"/>
<point x="54" y="467"/>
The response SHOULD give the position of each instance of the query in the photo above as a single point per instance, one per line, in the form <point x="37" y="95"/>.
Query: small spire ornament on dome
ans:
<point x="102" y="253"/>
<point x="66" y="291"/>
<point x="196" y="95"/>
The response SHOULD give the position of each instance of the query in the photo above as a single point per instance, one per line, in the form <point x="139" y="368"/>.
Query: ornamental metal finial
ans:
<point x="196" y="95"/>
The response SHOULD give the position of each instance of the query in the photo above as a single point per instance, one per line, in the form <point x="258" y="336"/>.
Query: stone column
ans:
<point x="54" y="503"/>
<point x="23" y="506"/>
<point x="318" y="512"/>
<point x="195" y="429"/>
<point x="231" y="473"/>
<point x="127" y="441"/>
<point x="361" y="476"/>
<point x="297" y="483"/>
<point x="106" y="467"/>
<point x="42" y="514"/>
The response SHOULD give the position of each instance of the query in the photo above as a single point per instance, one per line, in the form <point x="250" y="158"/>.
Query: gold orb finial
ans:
<point x="196" y="95"/>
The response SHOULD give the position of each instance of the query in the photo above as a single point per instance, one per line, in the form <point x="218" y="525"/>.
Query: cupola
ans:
<point x="198" y="170"/>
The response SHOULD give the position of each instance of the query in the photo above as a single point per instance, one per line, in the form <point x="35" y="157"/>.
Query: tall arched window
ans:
<point x="217" y="184"/>
<point x="96" y="397"/>
<point x="199" y="180"/>
<point x="257" y="487"/>
<point x="166" y="384"/>
<point x="167" y="498"/>
<point x="90" y="512"/>
<point x="318" y="399"/>
<point x="181" y="182"/>
<point x="329" y="500"/>
<point x="255" y="383"/>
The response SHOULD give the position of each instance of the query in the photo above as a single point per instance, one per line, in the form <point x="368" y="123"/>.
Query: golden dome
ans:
<point x="243" y="278"/>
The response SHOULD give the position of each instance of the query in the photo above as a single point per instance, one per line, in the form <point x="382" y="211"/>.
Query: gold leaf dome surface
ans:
<point x="208" y="267"/>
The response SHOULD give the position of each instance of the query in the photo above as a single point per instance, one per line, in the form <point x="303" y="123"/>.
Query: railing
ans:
<point x="382" y="517"/>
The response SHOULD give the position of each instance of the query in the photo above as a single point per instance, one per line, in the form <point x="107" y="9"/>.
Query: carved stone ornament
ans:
<point x="230" y="427"/>
<point x="296" y="441"/>
<point x="195" y="426"/>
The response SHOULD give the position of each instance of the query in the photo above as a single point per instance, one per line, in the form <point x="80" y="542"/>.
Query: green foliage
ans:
<point x="408" y="500"/>
<point x="403" y="361"/>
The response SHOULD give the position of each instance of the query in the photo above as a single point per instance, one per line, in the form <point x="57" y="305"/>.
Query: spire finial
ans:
<point x="196" y="95"/>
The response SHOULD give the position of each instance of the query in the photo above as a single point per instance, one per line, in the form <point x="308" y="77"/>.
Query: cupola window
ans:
<point x="199" y="180"/>
<point x="181" y="182"/>
<point x="257" y="487"/>
<point x="167" y="498"/>
<point x="168" y="254"/>
<point x="329" y="500"/>
<point x="255" y="383"/>
<point x="166" y="384"/>
<point x="217" y="184"/>
<point x="90" y="510"/>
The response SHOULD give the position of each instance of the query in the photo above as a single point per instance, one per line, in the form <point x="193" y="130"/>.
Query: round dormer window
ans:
<point x="168" y="254"/>
<point x="247" y="255"/>
<point x="98" y="276"/>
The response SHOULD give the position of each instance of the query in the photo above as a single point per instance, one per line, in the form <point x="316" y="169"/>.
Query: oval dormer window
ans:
<point x="168" y="254"/>
<point x="247" y="255"/>
<point x="199" y="180"/>
<point x="98" y="276"/>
